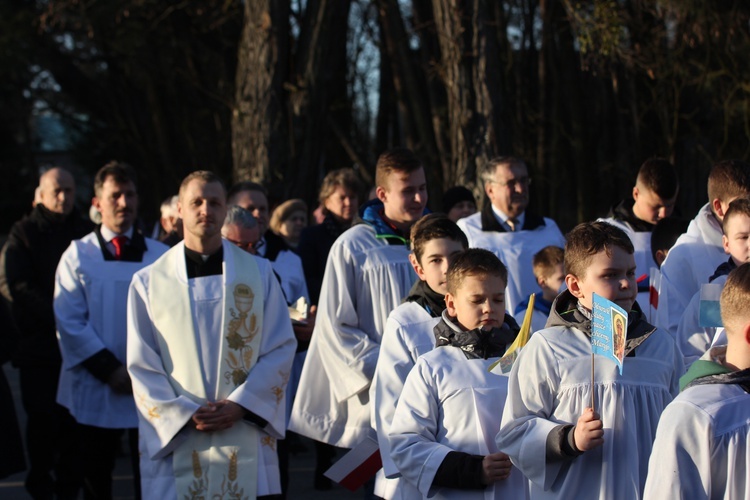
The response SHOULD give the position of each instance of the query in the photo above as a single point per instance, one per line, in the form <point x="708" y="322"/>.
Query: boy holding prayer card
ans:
<point x="701" y="448"/>
<point x="442" y="433"/>
<point x="566" y="448"/>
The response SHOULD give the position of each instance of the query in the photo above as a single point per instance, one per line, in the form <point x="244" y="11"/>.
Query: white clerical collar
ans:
<point x="502" y="218"/>
<point x="108" y="234"/>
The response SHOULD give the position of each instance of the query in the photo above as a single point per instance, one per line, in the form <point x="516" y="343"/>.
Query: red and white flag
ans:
<point x="356" y="467"/>
<point x="653" y="292"/>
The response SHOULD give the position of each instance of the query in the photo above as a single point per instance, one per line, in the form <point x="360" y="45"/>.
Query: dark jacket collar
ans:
<point x="427" y="298"/>
<point x="724" y="269"/>
<point x="565" y="313"/>
<point x="623" y="212"/>
<point x="477" y="343"/>
<point x="490" y="222"/>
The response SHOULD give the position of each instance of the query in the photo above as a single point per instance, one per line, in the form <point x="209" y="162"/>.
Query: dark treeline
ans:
<point x="285" y="90"/>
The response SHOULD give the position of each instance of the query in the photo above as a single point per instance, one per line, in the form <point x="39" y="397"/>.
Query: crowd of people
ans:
<point x="212" y="345"/>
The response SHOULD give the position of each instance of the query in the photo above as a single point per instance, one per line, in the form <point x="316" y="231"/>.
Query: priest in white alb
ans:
<point x="210" y="346"/>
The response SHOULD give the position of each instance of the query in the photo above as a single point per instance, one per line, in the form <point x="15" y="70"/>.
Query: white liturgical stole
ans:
<point x="207" y="464"/>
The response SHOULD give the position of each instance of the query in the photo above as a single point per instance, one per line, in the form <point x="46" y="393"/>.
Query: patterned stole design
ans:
<point x="207" y="464"/>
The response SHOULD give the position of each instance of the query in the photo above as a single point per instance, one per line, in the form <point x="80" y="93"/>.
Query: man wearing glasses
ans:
<point x="241" y="228"/>
<point x="505" y="227"/>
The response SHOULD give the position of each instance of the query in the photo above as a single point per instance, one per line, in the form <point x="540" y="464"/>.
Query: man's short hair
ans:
<point x="431" y="227"/>
<point x="546" y="259"/>
<point x="344" y="177"/>
<point x="169" y="207"/>
<point x="121" y="172"/>
<point x="588" y="239"/>
<point x="660" y="177"/>
<point x="474" y="262"/>
<point x="487" y="174"/>
<point x="238" y="216"/>
<point x="728" y="179"/>
<point x="284" y="211"/>
<point x="740" y="206"/>
<point x="666" y="232"/>
<point x="735" y="297"/>
<point x="245" y="186"/>
<point x="205" y="175"/>
<point x="400" y="160"/>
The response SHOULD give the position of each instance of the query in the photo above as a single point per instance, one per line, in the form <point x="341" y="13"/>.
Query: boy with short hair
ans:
<point x="697" y="252"/>
<point x="692" y="338"/>
<point x="550" y="274"/>
<point x="665" y="235"/>
<point x="701" y="448"/>
<point x="653" y="199"/>
<point x="435" y="242"/>
<point x="564" y="447"/>
<point x="441" y="437"/>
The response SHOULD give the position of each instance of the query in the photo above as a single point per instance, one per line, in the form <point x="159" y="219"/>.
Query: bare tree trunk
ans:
<point x="258" y="123"/>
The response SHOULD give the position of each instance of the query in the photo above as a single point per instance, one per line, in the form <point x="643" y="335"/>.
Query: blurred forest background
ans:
<point x="283" y="91"/>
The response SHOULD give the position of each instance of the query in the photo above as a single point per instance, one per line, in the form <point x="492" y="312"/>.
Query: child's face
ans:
<point x="437" y="255"/>
<point x="609" y="276"/>
<point x="737" y="238"/>
<point x="478" y="303"/>
<point x="554" y="280"/>
<point x="651" y="207"/>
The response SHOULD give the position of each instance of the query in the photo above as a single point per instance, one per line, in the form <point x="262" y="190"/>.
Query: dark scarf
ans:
<point x="477" y="343"/>
<point x="427" y="298"/>
<point x="724" y="269"/>
<point x="623" y="212"/>
<point x="741" y="378"/>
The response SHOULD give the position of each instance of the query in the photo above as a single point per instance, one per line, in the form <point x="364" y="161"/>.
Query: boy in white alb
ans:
<point x="367" y="275"/>
<point x="701" y="448"/>
<point x="435" y="241"/>
<point x="692" y="338"/>
<point x="697" y="252"/>
<point x="550" y="274"/>
<point x="564" y="447"/>
<point x="442" y="434"/>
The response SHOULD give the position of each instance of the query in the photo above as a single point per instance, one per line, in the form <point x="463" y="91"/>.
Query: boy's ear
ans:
<point x="718" y="208"/>
<point x="725" y="243"/>
<point x="380" y="193"/>
<point x="635" y="193"/>
<point x="541" y="281"/>
<point x="417" y="268"/>
<point x="574" y="286"/>
<point x="660" y="257"/>
<point x="450" y="304"/>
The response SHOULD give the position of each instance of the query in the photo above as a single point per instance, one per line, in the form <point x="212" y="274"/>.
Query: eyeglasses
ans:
<point x="513" y="183"/>
<point x="248" y="246"/>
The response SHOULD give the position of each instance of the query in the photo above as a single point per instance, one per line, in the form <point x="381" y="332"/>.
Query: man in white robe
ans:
<point x="91" y="287"/>
<point x="209" y="371"/>
<point x="367" y="275"/>
<point x="701" y="448"/>
<point x="699" y="251"/>
<point x="507" y="229"/>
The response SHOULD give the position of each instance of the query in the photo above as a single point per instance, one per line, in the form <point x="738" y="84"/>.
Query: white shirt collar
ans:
<point x="502" y="218"/>
<point x="108" y="234"/>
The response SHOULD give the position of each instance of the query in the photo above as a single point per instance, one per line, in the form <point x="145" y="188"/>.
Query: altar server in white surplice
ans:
<point x="701" y="449"/>
<point x="507" y="229"/>
<point x="210" y="346"/>
<point x="564" y="447"/>
<point x="442" y="438"/>
<point x="91" y="291"/>
<point x="695" y="255"/>
<point x="653" y="199"/>
<point x="367" y="275"/>
<point x="435" y="241"/>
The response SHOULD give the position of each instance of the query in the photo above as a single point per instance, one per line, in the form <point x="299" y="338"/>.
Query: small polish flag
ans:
<point x="356" y="467"/>
<point x="654" y="284"/>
